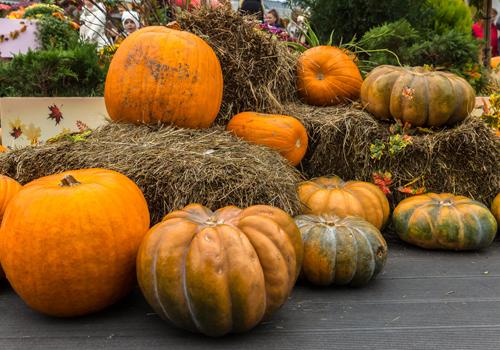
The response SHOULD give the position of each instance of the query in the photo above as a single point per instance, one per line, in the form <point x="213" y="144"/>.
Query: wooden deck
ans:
<point x="423" y="300"/>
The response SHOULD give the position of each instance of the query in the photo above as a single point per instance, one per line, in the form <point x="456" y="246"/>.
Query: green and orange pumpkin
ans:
<point x="340" y="251"/>
<point x="8" y="189"/>
<point x="164" y="75"/>
<point x="417" y="96"/>
<point x="444" y="221"/>
<point x="333" y="196"/>
<point x="326" y="76"/>
<point x="220" y="272"/>
<point x="285" y="134"/>
<point x="69" y="241"/>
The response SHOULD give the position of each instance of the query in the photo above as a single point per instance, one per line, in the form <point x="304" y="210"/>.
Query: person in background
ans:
<point x="93" y="23"/>
<point x="272" y="18"/>
<point x="252" y="7"/>
<point x="477" y="31"/>
<point x="130" y="22"/>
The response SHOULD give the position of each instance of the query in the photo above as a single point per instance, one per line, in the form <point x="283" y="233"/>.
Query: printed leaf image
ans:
<point x="16" y="128"/>
<point x="55" y="114"/>
<point x="32" y="133"/>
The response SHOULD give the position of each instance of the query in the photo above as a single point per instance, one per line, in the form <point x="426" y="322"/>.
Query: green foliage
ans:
<point x="41" y="10"/>
<point x="350" y="18"/>
<point x="54" y="33"/>
<point x="74" y="72"/>
<point x="450" y="15"/>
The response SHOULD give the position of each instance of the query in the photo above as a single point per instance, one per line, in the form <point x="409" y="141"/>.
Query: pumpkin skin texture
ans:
<point x="68" y="242"/>
<point x="327" y="76"/>
<point x="444" y="221"/>
<point x="8" y="189"/>
<point x="340" y="251"/>
<point x="417" y="96"/>
<point x="495" y="208"/>
<point x="164" y="75"/>
<point x="283" y="133"/>
<point x="333" y="196"/>
<point x="219" y="272"/>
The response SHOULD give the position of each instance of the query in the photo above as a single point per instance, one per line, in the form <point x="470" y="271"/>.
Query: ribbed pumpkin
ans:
<point x="220" y="272"/>
<point x="69" y="241"/>
<point x="444" y="221"/>
<point x="495" y="208"/>
<point x="326" y="76"/>
<point x="333" y="196"/>
<point x="283" y="133"/>
<point x="8" y="189"/>
<point x="164" y="75"/>
<point x="340" y="251"/>
<point x="417" y="96"/>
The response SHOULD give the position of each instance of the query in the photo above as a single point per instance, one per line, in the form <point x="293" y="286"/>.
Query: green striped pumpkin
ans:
<point x="340" y="251"/>
<point x="444" y="221"/>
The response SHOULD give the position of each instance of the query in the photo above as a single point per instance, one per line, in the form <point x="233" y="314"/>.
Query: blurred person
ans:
<point x="93" y="23"/>
<point x="478" y="32"/>
<point x="272" y="18"/>
<point x="252" y="7"/>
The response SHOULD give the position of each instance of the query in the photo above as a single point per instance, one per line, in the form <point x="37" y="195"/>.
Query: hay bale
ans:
<point x="464" y="160"/>
<point x="173" y="167"/>
<point x="259" y="72"/>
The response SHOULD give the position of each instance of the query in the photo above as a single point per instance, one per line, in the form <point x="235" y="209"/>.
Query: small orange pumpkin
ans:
<point x="8" y="188"/>
<point x="495" y="208"/>
<point x="220" y="272"/>
<point x="283" y="133"/>
<point x="333" y="196"/>
<point x="327" y="76"/>
<point x="68" y="241"/>
<point x="164" y="75"/>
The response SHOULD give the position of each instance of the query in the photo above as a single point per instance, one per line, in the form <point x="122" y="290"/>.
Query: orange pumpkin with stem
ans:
<point x="8" y="189"/>
<point x="68" y="241"/>
<point x="220" y="272"/>
<point x="283" y="133"/>
<point x="333" y="196"/>
<point x="164" y="75"/>
<point x="327" y="76"/>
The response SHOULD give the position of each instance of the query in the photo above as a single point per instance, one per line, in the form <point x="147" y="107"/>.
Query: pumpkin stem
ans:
<point x="68" y="181"/>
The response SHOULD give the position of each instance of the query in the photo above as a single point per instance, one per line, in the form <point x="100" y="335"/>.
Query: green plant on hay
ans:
<point x="491" y="114"/>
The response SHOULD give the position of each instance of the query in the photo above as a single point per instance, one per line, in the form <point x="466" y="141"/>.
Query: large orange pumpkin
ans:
<point x="68" y="242"/>
<point x="333" y="196"/>
<point x="327" y="76"/>
<point x="220" y="272"/>
<point x="8" y="188"/>
<point x="495" y="208"/>
<point x="444" y="221"/>
<point x="283" y="133"/>
<point x="164" y="75"/>
<point x="417" y="96"/>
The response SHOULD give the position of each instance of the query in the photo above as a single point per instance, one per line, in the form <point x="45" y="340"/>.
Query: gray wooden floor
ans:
<point x="423" y="300"/>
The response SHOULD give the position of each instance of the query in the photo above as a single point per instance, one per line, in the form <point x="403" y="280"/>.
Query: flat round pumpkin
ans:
<point x="283" y="133"/>
<point x="219" y="272"/>
<point x="417" y="96"/>
<point x="8" y="189"/>
<point x="444" y="221"/>
<point x="326" y="76"/>
<point x="333" y="196"/>
<point x="164" y="75"/>
<point x="68" y="241"/>
<point x="340" y="251"/>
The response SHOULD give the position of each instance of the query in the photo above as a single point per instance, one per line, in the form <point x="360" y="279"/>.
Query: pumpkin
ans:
<point x="327" y="76"/>
<point x="68" y="241"/>
<point x="8" y="188"/>
<point x="283" y="133"/>
<point x="417" y="96"/>
<point x="219" y="272"/>
<point x="444" y="221"/>
<point x="340" y="251"/>
<point x="495" y="62"/>
<point x="333" y="196"/>
<point x="495" y="208"/>
<point x="164" y="75"/>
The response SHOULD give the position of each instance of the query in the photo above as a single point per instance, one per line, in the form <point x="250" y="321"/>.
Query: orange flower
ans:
<point x="58" y="15"/>
<point x="74" y="25"/>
